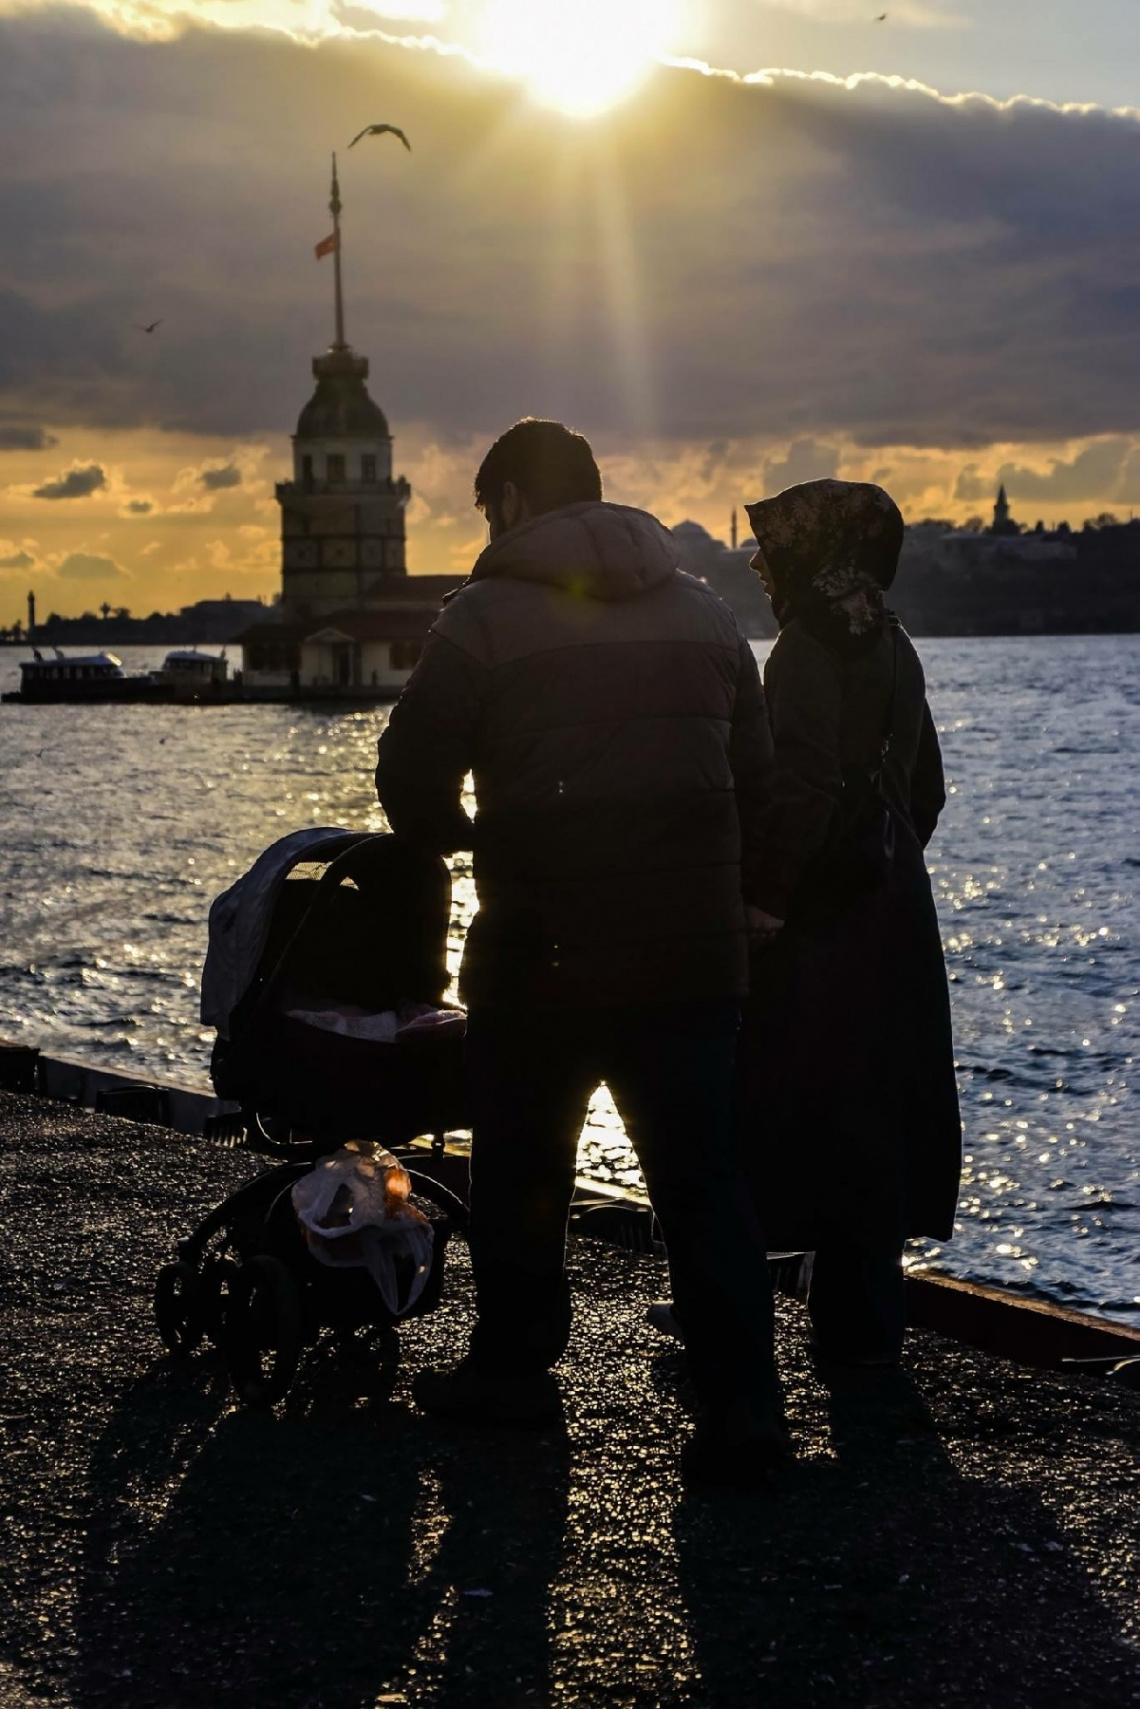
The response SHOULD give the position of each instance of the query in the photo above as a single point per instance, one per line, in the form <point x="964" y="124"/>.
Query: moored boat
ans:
<point x="83" y="677"/>
<point x="190" y="675"/>
<point x="186" y="675"/>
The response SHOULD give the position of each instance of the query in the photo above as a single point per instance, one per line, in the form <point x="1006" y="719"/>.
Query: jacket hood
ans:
<point x="597" y="550"/>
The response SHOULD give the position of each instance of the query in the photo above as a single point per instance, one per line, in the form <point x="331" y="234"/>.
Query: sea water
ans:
<point x="121" y="823"/>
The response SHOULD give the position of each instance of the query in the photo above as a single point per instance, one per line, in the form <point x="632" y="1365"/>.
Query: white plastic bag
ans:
<point x="389" y="1026"/>
<point x="351" y="1022"/>
<point x="354" y="1213"/>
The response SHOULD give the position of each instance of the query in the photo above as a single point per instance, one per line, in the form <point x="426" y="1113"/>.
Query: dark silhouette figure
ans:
<point x="848" y="1100"/>
<point x="612" y="714"/>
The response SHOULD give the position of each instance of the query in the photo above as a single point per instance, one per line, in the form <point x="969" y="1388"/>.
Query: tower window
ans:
<point x="307" y="470"/>
<point x="368" y="466"/>
<point x="334" y="467"/>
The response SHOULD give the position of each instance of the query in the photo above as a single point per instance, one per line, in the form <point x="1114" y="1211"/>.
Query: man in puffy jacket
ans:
<point x="612" y="715"/>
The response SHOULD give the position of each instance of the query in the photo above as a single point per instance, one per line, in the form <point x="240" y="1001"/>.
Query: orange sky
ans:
<point x="193" y="543"/>
<point x="728" y="285"/>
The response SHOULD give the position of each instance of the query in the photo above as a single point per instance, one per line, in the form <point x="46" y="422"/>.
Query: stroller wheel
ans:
<point x="218" y="1278"/>
<point x="178" y="1307"/>
<point x="263" y="1331"/>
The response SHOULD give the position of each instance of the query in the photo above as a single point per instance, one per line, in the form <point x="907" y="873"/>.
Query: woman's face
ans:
<point x="759" y="563"/>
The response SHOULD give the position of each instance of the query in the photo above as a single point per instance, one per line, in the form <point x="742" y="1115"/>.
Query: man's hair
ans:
<point x="551" y="465"/>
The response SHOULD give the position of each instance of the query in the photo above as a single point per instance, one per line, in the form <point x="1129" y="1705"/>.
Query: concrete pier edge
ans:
<point x="994" y="1320"/>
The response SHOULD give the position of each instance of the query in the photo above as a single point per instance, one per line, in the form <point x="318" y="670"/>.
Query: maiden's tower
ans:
<point x="353" y="620"/>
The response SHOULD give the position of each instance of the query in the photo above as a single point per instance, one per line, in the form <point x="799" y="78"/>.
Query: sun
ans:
<point x="578" y="55"/>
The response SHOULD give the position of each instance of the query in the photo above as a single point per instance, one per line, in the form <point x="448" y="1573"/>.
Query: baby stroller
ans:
<point x="324" y="977"/>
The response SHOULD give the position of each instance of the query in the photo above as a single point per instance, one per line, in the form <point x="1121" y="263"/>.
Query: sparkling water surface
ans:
<point x="121" y="823"/>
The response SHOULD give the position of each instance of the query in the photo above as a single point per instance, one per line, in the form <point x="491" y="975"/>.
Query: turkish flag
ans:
<point x="327" y="245"/>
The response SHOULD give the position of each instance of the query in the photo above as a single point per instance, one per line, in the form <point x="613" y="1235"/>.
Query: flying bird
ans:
<point x="149" y="328"/>
<point x="882" y="17"/>
<point x="381" y="130"/>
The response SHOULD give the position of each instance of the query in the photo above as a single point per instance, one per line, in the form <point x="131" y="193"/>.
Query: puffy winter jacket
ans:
<point x="613" y="717"/>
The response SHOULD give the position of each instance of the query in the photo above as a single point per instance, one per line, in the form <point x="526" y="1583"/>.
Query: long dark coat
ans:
<point x="849" y="1107"/>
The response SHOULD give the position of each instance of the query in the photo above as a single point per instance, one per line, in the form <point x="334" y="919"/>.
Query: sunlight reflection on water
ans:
<point x="124" y="823"/>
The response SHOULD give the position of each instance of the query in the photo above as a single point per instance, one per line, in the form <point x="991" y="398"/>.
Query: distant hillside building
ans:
<point x="727" y="571"/>
<point x="1003" y="523"/>
<point x="352" y="619"/>
<point x="1004" y="580"/>
<point x="213" y="620"/>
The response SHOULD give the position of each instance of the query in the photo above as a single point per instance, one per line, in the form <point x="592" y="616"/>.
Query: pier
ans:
<point x="963" y="1534"/>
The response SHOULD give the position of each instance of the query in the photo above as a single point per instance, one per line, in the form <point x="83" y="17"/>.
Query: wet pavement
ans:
<point x="965" y="1533"/>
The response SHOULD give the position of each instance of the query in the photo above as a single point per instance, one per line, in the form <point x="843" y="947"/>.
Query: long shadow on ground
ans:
<point x="884" y="1576"/>
<point x="344" y="1554"/>
<point x="963" y="1536"/>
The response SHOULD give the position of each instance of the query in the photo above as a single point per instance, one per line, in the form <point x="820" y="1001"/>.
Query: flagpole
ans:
<point x="334" y="208"/>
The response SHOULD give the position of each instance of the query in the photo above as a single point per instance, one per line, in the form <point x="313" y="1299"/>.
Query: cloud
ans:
<point x="16" y="437"/>
<point x="804" y="461"/>
<point x="929" y="14"/>
<point x="215" y="479"/>
<point x="786" y="260"/>
<point x="199" y="487"/>
<point x="1099" y="468"/>
<point x="137" y="507"/>
<point x="13" y="557"/>
<point x="80" y="481"/>
<point x="87" y="567"/>
<point x="362" y="14"/>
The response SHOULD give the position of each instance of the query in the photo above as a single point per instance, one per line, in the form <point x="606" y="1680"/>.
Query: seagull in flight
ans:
<point x="882" y="17"/>
<point x="381" y="130"/>
<point x="149" y="328"/>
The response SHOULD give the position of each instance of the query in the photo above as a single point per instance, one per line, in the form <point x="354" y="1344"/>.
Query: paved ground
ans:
<point x="966" y="1536"/>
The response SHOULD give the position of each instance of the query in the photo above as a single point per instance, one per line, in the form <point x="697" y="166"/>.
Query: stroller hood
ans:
<point x="240" y="918"/>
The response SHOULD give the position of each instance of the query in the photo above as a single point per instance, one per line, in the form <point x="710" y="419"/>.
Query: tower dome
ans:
<point x="341" y="408"/>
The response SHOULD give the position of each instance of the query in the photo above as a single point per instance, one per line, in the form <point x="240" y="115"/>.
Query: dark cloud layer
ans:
<point x="16" y="437"/>
<point x="80" y="481"/>
<point x="19" y="560"/>
<point x="801" y="259"/>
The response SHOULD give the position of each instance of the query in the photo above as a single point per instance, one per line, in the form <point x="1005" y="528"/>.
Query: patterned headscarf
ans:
<point x="832" y="549"/>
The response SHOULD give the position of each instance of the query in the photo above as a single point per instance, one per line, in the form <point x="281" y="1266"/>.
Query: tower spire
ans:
<point x="334" y="209"/>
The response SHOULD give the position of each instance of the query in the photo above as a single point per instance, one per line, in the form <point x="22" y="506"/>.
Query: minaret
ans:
<point x="1001" y="513"/>
<point x="342" y="514"/>
<point x="734" y="537"/>
<point x="31" y="616"/>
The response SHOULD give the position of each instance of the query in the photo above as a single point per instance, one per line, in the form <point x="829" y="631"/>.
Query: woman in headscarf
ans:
<point x="849" y="1106"/>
